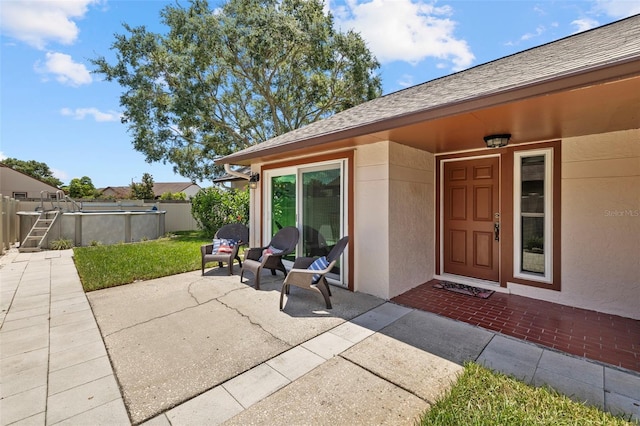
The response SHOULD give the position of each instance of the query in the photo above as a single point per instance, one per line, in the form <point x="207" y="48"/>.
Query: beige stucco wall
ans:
<point x="600" y="225"/>
<point x="255" y="197"/>
<point x="12" y="181"/>
<point x="371" y="219"/>
<point x="411" y="218"/>
<point x="394" y="218"/>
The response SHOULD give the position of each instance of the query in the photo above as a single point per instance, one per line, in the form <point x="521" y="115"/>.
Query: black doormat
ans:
<point x="464" y="289"/>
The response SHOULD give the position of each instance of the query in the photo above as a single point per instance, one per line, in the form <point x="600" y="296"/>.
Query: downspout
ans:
<point x="227" y="169"/>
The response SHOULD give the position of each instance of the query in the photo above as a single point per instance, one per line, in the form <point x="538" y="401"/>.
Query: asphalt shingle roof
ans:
<point x="614" y="43"/>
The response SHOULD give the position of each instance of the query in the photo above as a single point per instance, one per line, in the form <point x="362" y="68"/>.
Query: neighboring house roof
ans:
<point x="607" y="53"/>
<point x="159" y="188"/>
<point x="116" y="191"/>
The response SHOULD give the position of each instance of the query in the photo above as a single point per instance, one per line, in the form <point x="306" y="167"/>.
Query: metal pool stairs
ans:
<point x="51" y="208"/>
<point x="39" y="231"/>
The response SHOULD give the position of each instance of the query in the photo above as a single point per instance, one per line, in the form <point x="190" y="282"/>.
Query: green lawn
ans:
<point x="109" y="266"/>
<point x="481" y="397"/>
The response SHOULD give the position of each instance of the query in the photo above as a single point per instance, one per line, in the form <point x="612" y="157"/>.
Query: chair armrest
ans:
<point x="206" y="249"/>
<point x="300" y="277"/>
<point x="304" y="277"/>
<point x="315" y="271"/>
<point x="253" y="253"/>
<point x="303" y="262"/>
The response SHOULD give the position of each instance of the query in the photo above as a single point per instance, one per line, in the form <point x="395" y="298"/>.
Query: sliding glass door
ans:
<point x="312" y="199"/>
<point x="283" y="205"/>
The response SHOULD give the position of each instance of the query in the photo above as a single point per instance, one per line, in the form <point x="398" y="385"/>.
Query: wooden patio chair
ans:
<point x="310" y="273"/>
<point x="236" y="232"/>
<point x="270" y="256"/>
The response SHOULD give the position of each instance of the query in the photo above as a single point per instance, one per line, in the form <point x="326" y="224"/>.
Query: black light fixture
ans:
<point x="497" y="141"/>
<point x="254" y="178"/>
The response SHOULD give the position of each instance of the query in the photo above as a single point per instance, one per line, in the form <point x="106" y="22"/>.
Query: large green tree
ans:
<point x="82" y="188"/>
<point x="144" y="189"/>
<point x="35" y="169"/>
<point x="221" y="80"/>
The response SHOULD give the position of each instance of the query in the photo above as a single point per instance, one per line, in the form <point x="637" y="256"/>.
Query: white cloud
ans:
<point x="538" y="32"/>
<point x="584" y="24"/>
<point x="65" y="70"/>
<point x="82" y="113"/>
<point x="618" y="8"/>
<point x="39" y="22"/>
<point x="406" y="80"/>
<point x="60" y="174"/>
<point x="2" y="156"/>
<point x="405" y="30"/>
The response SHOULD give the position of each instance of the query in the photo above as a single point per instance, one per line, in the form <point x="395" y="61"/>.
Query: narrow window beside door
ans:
<point x="533" y="215"/>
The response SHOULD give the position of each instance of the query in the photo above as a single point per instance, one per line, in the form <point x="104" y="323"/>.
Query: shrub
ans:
<point x="214" y="207"/>
<point x="60" y="244"/>
<point x="173" y="196"/>
<point x="534" y="243"/>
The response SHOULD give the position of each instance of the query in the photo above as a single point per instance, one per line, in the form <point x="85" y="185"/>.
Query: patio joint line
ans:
<point x="13" y="296"/>
<point x="148" y="321"/>
<point x="386" y="379"/>
<point x="248" y="318"/>
<point x="46" y="399"/>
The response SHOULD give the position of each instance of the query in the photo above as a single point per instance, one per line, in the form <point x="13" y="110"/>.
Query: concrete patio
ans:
<point x="190" y="349"/>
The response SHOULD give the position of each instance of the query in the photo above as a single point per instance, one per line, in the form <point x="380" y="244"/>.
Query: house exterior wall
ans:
<point x="600" y="225"/>
<point x="394" y="218"/>
<point x="371" y="219"/>
<point x="411" y="218"/>
<point x="191" y="190"/>
<point x="12" y="181"/>
<point x="255" y="211"/>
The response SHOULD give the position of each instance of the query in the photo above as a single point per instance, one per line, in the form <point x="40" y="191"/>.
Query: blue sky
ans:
<point x="53" y="110"/>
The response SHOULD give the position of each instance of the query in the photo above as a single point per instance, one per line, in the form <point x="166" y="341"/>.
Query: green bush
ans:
<point x="534" y="243"/>
<point x="214" y="207"/>
<point x="173" y="196"/>
<point x="60" y="244"/>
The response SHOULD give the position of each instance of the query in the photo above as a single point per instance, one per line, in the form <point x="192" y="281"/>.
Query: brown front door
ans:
<point x="471" y="201"/>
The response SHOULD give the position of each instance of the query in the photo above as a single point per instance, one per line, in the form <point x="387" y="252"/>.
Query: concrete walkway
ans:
<point x="210" y="350"/>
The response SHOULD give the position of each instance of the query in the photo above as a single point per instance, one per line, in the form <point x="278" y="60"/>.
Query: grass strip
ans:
<point x="482" y="397"/>
<point x="108" y="266"/>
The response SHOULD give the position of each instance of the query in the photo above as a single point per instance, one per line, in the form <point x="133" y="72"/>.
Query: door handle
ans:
<point x="496" y="230"/>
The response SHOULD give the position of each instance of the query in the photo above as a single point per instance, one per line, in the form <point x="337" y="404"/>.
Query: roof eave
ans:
<point x="579" y="78"/>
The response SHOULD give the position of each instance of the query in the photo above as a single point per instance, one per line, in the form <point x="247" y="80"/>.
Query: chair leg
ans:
<point x="256" y="279"/>
<point x="326" y="284"/>
<point x="283" y="290"/>
<point x="231" y="267"/>
<point x="325" y="293"/>
<point x="281" y="268"/>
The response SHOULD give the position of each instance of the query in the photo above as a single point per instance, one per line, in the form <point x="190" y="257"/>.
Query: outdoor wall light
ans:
<point x="254" y="178"/>
<point x="497" y="141"/>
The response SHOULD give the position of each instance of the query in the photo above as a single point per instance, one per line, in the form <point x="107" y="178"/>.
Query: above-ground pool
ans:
<point x="91" y="227"/>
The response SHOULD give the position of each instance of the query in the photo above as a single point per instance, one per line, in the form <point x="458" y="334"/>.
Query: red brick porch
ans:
<point x="600" y="337"/>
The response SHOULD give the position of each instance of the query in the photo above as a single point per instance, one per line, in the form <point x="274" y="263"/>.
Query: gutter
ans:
<point x="227" y="169"/>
